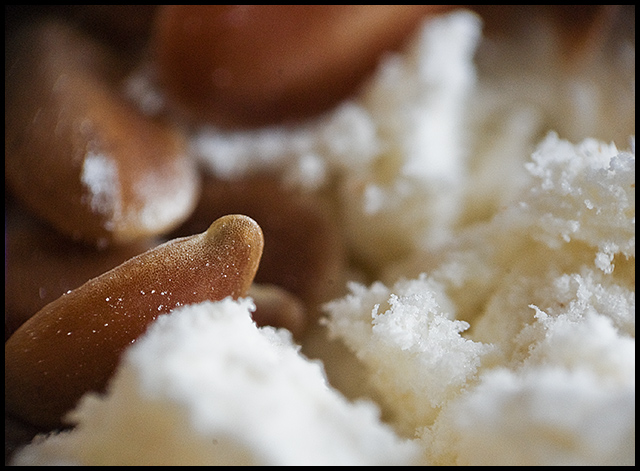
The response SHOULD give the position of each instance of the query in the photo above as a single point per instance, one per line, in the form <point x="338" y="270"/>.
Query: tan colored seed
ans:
<point x="78" y="154"/>
<point x="278" y="307"/>
<point x="73" y="344"/>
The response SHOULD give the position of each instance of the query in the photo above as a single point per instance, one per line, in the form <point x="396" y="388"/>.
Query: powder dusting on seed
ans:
<point x="162" y="200"/>
<point x="100" y="177"/>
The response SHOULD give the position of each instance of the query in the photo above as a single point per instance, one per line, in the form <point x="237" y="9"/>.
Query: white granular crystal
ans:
<point x="165" y="404"/>
<point x="100" y="178"/>
<point x="482" y="189"/>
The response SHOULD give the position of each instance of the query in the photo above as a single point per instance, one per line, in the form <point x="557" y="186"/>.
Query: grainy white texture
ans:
<point x="501" y="329"/>
<point x="546" y="373"/>
<point x="205" y="386"/>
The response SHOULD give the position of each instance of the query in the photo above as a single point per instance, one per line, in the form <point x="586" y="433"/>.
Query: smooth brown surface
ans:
<point x="77" y="153"/>
<point x="304" y="251"/>
<point x="73" y="344"/>
<point x="41" y="264"/>
<point x="248" y="65"/>
<point x="278" y="308"/>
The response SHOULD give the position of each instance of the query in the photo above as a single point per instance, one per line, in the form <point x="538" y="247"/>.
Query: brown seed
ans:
<point x="278" y="308"/>
<point x="257" y="64"/>
<point x="78" y="154"/>
<point x="73" y="344"/>
<point x="42" y="264"/>
<point x="304" y="252"/>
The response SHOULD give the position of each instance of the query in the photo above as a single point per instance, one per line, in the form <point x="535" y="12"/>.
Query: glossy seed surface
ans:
<point x="252" y="65"/>
<point x="78" y="154"/>
<point x="73" y="344"/>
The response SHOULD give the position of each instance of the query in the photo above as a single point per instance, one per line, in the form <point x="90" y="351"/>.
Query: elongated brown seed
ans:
<point x="78" y="154"/>
<point x="73" y="344"/>
<point x="253" y="65"/>
<point x="307" y="258"/>
<point x="41" y="264"/>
